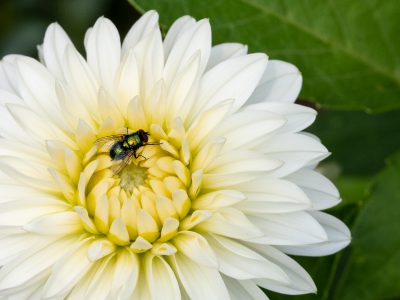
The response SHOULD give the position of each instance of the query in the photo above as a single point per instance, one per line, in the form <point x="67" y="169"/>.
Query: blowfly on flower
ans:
<point x="124" y="146"/>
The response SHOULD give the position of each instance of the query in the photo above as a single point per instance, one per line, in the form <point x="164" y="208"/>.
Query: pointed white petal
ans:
<point x="297" y="228"/>
<point x="161" y="279"/>
<point x="298" y="117"/>
<point x="218" y="199"/>
<point x="300" y="281"/>
<point x="222" y="52"/>
<point x="281" y="81"/>
<point x="14" y="244"/>
<point x="149" y="55"/>
<point x="196" y="247"/>
<point x="182" y="91"/>
<point x="319" y="189"/>
<point x="240" y="262"/>
<point x="146" y="24"/>
<point x="206" y="122"/>
<point x="127" y="81"/>
<point x="235" y="78"/>
<point x="37" y="88"/>
<point x="242" y="161"/>
<point x="295" y="151"/>
<point x="20" y="212"/>
<point x="339" y="236"/>
<point x="231" y="222"/>
<point x="9" y="73"/>
<point x="62" y="223"/>
<point x="103" y="50"/>
<point x="179" y="26"/>
<point x="243" y="289"/>
<point x="142" y="290"/>
<point x="193" y="39"/>
<point x="4" y="81"/>
<point x="265" y="195"/>
<point x="82" y="83"/>
<point x="68" y="270"/>
<point x="199" y="282"/>
<point x="54" y="44"/>
<point x="33" y="262"/>
<point x="126" y="274"/>
<point x="96" y="283"/>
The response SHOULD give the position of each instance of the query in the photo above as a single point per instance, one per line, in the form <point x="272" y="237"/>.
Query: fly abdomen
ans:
<point x="117" y="151"/>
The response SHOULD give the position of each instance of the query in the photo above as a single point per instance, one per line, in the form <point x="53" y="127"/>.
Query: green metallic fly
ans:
<point x="124" y="146"/>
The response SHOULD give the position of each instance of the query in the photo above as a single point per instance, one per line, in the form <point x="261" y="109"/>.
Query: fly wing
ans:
<point x="104" y="144"/>
<point x="117" y="168"/>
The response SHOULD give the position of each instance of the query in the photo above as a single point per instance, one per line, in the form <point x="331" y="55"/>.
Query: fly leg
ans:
<point x="138" y="155"/>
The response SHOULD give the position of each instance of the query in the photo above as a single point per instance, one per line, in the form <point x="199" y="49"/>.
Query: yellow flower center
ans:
<point x="148" y="202"/>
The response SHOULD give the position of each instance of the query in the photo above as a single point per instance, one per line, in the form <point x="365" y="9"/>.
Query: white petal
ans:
<point x="295" y="151"/>
<point x="161" y="279"/>
<point x="179" y="26"/>
<point x="100" y="248"/>
<point x="218" y="199"/>
<point x="222" y="52"/>
<point x="242" y="161"/>
<point x="62" y="223"/>
<point x="24" y="151"/>
<point x="33" y="262"/>
<point x="246" y="129"/>
<point x="193" y="39"/>
<point x="20" y="212"/>
<point x="67" y="271"/>
<point x="15" y="244"/>
<point x="265" y="195"/>
<point x="146" y="24"/>
<point x="96" y="283"/>
<point x="11" y="192"/>
<point x="150" y="58"/>
<point x="142" y="290"/>
<point x="195" y="247"/>
<point x="300" y="281"/>
<point x="281" y="81"/>
<point x="240" y="262"/>
<point x="231" y="222"/>
<point x="25" y="117"/>
<point x="126" y="274"/>
<point x="297" y="228"/>
<point x="127" y="81"/>
<point x="54" y="44"/>
<point x="9" y="73"/>
<point x="199" y="282"/>
<point x="37" y="88"/>
<point x="319" y="189"/>
<point x="9" y="127"/>
<point x="81" y="81"/>
<point x="243" y="289"/>
<point x="235" y="78"/>
<point x="183" y="88"/>
<point x="5" y="83"/>
<point x="103" y="50"/>
<point x="298" y="117"/>
<point x="339" y="236"/>
<point x="206" y="122"/>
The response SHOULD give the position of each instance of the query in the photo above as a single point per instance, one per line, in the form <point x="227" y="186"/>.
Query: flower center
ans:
<point x="148" y="201"/>
<point x="132" y="177"/>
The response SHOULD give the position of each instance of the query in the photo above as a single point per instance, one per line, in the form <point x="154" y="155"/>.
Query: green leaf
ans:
<point x="359" y="142"/>
<point x="372" y="270"/>
<point x="347" y="50"/>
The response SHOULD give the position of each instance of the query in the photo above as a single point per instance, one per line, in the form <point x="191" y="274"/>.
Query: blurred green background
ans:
<point x="349" y="54"/>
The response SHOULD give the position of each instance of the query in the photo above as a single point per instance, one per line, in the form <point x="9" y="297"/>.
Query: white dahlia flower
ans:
<point x="207" y="208"/>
